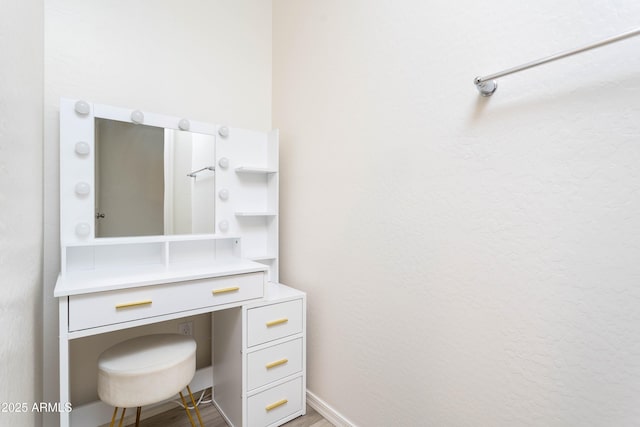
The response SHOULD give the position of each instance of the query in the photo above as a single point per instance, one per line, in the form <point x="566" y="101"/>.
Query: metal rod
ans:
<point x="194" y="173"/>
<point x="486" y="85"/>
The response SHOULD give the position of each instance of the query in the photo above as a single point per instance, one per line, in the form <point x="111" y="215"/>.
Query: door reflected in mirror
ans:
<point x="153" y="181"/>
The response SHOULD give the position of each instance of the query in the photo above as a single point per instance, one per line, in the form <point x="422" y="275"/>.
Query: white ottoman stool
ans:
<point x="146" y="370"/>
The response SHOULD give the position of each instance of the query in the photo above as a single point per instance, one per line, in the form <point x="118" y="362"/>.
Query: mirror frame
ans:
<point x="77" y="164"/>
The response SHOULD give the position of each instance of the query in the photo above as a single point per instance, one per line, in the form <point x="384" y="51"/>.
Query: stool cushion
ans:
<point x="146" y="370"/>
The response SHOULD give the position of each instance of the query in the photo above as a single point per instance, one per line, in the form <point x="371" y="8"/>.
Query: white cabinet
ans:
<point x="272" y="369"/>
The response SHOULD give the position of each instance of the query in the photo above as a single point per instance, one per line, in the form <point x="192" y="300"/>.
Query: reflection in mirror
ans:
<point x="143" y="183"/>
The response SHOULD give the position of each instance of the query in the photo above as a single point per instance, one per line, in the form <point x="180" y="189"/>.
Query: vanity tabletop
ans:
<point x="89" y="281"/>
<point x="279" y="292"/>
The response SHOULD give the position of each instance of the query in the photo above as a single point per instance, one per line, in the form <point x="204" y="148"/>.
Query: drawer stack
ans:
<point x="266" y="387"/>
<point x="275" y="363"/>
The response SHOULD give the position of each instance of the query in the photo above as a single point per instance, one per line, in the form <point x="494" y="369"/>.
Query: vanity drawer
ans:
<point x="275" y="404"/>
<point x="274" y="321"/>
<point x="106" y="308"/>
<point x="273" y="363"/>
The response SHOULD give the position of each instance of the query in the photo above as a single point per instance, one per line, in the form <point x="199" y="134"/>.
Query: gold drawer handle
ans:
<point x="277" y="322"/>
<point x="225" y="290"/>
<point x="133" y="304"/>
<point x="276" y="404"/>
<point x="276" y="363"/>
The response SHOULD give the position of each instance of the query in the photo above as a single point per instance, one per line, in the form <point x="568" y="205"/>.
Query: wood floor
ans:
<point x="211" y="418"/>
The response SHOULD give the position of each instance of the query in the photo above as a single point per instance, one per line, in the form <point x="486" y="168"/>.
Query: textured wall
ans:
<point x="207" y="61"/>
<point x="468" y="261"/>
<point x="21" y="71"/>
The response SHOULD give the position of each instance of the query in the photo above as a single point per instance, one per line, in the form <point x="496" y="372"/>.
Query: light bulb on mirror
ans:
<point x="223" y="194"/>
<point x="223" y="131"/>
<point x="82" y="107"/>
<point x="82" y="148"/>
<point x="184" y="124"/>
<point x="223" y="225"/>
<point x="83" y="229"/>
<point x="137" y="117"/>
<point x="223" y="163"/>
<point x="82" y="188"/>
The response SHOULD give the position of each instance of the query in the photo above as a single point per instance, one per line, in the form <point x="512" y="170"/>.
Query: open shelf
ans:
<point x="255" y="170"/>
<point x="263" y="258"/>
<point x="267" y="213"/>
<point x="251" y="182"/>
<point x="109" y="241"/>
<point x="161" y="251"/>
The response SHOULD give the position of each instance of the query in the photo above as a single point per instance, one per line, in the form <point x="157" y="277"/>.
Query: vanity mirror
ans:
<point x="127" y="173"/>
<point x="152" y="181"/>
<point x="139" y="188"/>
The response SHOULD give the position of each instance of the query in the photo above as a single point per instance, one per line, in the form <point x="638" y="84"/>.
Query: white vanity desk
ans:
<point x="113" y="283"/>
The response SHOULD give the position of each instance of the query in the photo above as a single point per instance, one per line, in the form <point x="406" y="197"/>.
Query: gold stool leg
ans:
<point x="113" y="418"/>
<point x="122" y="417"/>
<point x="186" y="408"/>
<point x="195" y="406"/>
<point x="138" y="416"/>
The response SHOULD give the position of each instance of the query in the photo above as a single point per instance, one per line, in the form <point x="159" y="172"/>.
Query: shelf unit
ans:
<point x="251" y="180"/>
<point x="160" y="251"/>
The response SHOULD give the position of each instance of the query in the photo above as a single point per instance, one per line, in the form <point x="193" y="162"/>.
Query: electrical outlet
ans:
<point x="186" y="328"/>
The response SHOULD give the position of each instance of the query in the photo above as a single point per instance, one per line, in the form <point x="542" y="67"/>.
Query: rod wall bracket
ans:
<point x="486" y="88"/>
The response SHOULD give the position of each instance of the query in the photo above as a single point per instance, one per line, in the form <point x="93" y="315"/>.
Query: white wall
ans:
<point x="468" y="261"/>
<point x="21" y="74"/>
<point x="207" y="61"/>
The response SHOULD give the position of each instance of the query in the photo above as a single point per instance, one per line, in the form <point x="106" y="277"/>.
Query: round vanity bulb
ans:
<point x="223" y="163"/>
<point x="137" y="117"/>
<point x="83" y="229"/>
<point x="82" y="189"/>
<point x="223" y="131"/>
<point x="223" y="194"/>
<point x="184" y="124"/>
<point x="82" y="107"/>
<point x="82" y="148"/>
<point x="223" y="225"/>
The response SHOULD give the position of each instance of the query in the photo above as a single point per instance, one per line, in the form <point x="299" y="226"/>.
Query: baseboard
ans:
<point x="90" y="413"/>
<point x="328" y="412"/>
<point x="222" y="413"/>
